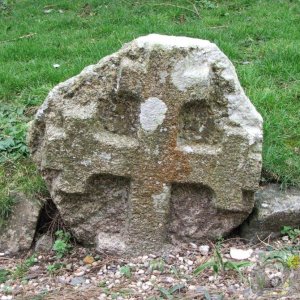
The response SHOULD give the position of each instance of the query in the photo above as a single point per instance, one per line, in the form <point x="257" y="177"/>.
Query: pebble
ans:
<point x="145" y="287"/>
<point x="169" y="280"/>
<point x="193" y="245"/>
<point x="131" y="265"/>
<point x="177" y="270"/>
<point x="118" y="274"/>
<point x="62" y="279"/>
<point x="183" y="267"/>
<point x="79" y="273"/>
<point x="34" y="268"/>
<point x="189" y="262"/>
<point x="200" y="289"/>
<point x="204" y="250"/>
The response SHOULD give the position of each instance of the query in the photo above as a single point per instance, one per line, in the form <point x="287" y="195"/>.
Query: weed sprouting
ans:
<point x="169" y="293"/>
<point x="4" y="275"/>
<point x="219" y="264"/>
<point x="62" y="244"/>
<point x="126" y="271"/>
<point x="22" y="268"/>
<point x="54" y="267"/>
<point x="293" y="233"/>
<point x="157" y="264"/>
<point x="13" y="129"/>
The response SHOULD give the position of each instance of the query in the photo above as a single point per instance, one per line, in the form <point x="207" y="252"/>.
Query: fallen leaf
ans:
<point x="88" y="260"/>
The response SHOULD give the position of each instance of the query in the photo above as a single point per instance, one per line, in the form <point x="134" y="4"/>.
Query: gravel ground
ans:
<point x="85" y="274"/>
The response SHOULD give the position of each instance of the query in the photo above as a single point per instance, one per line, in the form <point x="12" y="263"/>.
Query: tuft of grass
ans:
<point x="22" y="268"/>
<point x="157" y="264"/>
<point x="169" y="293"/>
<point x="4" y="275"/>
<point x="218" y="264"/>
<point x="53" y="268"/>
<point x="262" y="39"/>
<point x="18" y="176"/>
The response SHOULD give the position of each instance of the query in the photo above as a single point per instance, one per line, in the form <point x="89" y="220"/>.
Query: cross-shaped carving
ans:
<point x="171" y="164"/>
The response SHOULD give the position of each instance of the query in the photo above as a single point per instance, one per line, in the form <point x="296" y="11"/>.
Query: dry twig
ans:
<point x="26" y="36"/>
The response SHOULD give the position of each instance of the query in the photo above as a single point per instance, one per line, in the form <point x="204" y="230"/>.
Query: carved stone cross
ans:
<point x="154" y="144"/>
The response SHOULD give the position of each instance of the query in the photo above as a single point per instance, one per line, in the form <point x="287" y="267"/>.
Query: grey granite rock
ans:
<point x="155" y="143"/>
<point x="274" y="208"/>
<point x="18" y="233"/>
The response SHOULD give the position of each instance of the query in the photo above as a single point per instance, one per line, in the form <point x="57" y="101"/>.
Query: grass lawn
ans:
<point x="261" y="37"/>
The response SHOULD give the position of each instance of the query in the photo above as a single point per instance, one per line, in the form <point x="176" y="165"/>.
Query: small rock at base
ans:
<point x="44" y="243"/>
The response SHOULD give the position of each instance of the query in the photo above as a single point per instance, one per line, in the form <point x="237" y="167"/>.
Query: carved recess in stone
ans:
<point x="194" y="215"/>
<point x="135" y="145"/>
<point x="200" y="123"/>
<point x="103" y="205"/>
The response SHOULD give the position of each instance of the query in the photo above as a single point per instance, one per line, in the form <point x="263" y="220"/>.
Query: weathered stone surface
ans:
<point x="17" y="235"/>
<point x="156" y="142"/>
<point x="274" y="208"/>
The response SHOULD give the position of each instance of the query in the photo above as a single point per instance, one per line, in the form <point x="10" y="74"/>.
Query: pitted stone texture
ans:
<point x="120" y="143"/>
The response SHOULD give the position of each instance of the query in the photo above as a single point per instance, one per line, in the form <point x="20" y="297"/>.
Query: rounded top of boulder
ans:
<point x="168" y="42"/>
